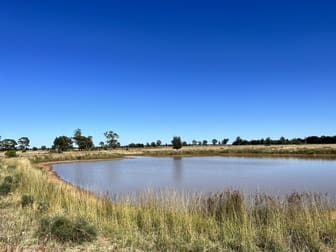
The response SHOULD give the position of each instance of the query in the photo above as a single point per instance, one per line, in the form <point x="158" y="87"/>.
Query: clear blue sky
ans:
<point x="150" y="70"/>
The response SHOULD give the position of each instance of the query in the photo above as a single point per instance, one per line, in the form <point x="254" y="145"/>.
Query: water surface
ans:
<point x="278" y="176"/>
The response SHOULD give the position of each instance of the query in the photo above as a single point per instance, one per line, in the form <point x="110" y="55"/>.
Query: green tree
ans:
<point x="205" y="142"/>
<point x="225" y="141"/>
<point x="238" y="141"/>
<point x="102" y="144"/>
<point x="214" y="141"/>
<point x="177" y="142"/>
<point x="83" y="142"/>
<point x="283" y="140"/>
<point x="158" y="143"/>
<point x="111" y="139"/>
<point x="268" y="141"/>
<point x="23" y="143"/>
<point x="62" y="143"/>
<point x="194" y="142"/>
<point x="8" y="144"/>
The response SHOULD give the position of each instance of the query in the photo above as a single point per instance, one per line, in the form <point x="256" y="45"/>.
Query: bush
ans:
<point x="8" y="180"/>
<point x="63" y="230"/>
<point x="27" y="200"/>
<point x="10" y="153"/>
<point x="5" y="188"/>
<point x="42" y="206"/>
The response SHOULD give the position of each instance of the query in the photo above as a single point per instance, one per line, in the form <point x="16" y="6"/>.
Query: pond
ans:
<point x="277" y="176"/>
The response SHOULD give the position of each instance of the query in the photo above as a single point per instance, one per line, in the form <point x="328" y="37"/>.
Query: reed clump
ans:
<point x="160" y="221"/>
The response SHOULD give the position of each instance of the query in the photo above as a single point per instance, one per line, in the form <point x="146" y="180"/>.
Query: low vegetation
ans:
<point x="39" y="211"/>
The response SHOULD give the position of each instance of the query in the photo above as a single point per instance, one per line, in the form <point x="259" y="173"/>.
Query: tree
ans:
<point x="194" y="142"/>
<point x="214" y="141"/>
<point x="23" y="143"/>
<point x="158" y="143"/>
<point x="225" y="141"/>
<point x="62" y="143"/>
<point x="205" y="142"/>
<point x="102" y="144"/>
<point x="238" y="141"/>
<point x="111" y="139"/>
<point x="268" y="141"/>
<point x="8" y="144"/>
<point x="283" y="140"/>
<point x="83" y="142"/>
<point x="177" y="142"/>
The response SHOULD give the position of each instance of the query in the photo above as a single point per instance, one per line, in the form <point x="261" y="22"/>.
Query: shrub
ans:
<point x="5" y="188"/>
<point x="10" y="153"/>
<point x="8" y="179"/>
<point x="42" y="206"/>
<point x="63" y="229"/>
<point x="27" y="200"/>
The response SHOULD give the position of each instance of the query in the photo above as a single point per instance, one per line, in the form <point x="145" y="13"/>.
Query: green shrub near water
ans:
<point x="63" y="229"/>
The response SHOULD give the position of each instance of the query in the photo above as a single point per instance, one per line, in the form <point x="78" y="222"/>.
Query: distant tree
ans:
<point x="177" y="142"/>
<point x="62" y="143"/>
<point x="43" y="147"/>
<point x="194" y="142"/>
<point x="238" y="141"/>
<point x="214" y="141"/>
<point x="225" y="141"/>
<point x="268" y="141"/>
<point x="184" y="143"/>
<point x="153" y="144"/>
<point x="136" y="145"/>
<point x="83" y="142"/>
<point x="205" y="142"/>
<point x="283" y="140"/>
<point x="158" y="143"/>
<point x="102" y="144"/>
<point x="8" y="144"/>
<point x="23" y="143"/>
<point x="111" y="139"/>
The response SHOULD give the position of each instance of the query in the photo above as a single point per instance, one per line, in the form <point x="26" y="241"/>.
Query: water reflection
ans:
<point x="177" y="164"/>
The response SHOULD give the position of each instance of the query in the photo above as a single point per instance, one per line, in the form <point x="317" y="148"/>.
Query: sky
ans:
<point x="151" y="70"/>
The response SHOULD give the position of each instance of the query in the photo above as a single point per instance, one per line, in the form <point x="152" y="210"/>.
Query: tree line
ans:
<point x="158" y="143"/>
<point x="285" y="141"/>
<point x="64" y="143"/>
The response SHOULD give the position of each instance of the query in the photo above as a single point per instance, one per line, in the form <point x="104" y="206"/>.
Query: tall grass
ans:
<point x="172" y="221"/>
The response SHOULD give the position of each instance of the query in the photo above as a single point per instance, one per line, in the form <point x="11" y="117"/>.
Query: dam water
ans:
<point x="278" y="176"/>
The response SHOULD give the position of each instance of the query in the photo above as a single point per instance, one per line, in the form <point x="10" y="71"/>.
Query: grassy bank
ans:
<point x="166" y="221"/>
<point x="324" y="151"/>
